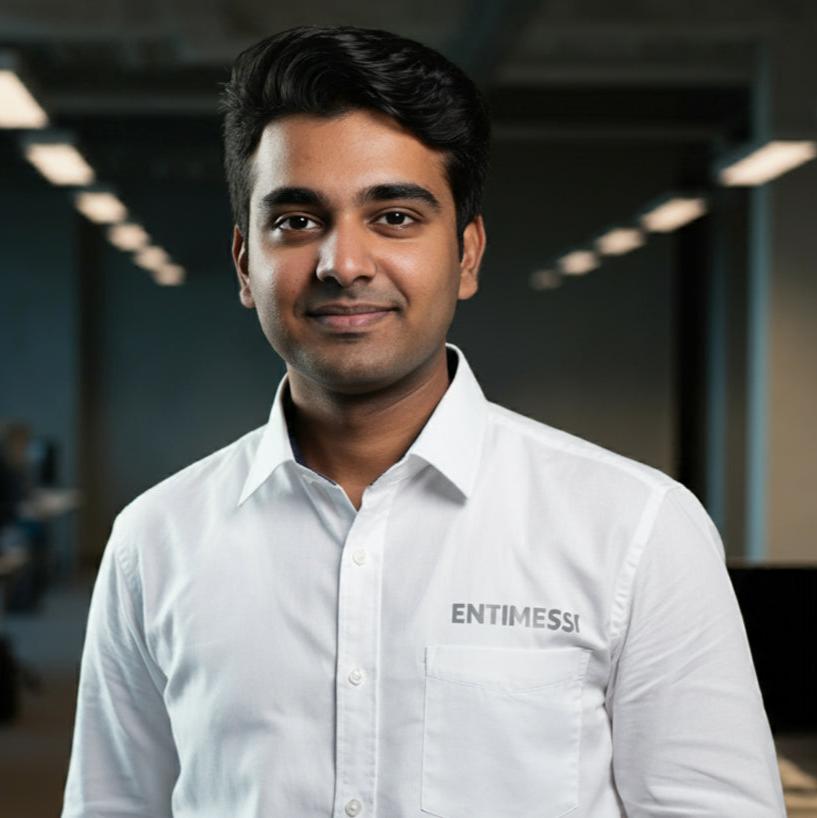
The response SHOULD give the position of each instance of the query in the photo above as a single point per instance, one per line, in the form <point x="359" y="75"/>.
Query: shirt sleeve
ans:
<point x="690" y="735"/>
<point x="123" y="758"/>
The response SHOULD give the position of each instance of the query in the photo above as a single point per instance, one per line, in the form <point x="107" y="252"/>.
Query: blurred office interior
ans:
<point x="649" y="284"/>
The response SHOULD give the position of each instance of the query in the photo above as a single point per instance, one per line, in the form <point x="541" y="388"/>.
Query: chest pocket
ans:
<point x="501" y="731"/>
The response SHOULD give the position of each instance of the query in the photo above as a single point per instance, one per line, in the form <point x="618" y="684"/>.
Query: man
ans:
<point x="397" y="598"/>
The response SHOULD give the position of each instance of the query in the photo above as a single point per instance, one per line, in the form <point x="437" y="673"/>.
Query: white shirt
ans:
<point x="516" y="624"/>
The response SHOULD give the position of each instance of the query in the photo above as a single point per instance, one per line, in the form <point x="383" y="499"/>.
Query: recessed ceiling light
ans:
<point x="544" y="280"/>
<point x="169" y="275"/>
<point x="758" y="165"/>
<point x="18" y="108"/>
<point x="58" y="160"/>
<point x="128" y="236"/>
<point x="619" y="240"/>
<point x="673" y="212"/>
<point x="578" y="262"/>
<point x="152" y="258"/>
<point x="101" y="207"/>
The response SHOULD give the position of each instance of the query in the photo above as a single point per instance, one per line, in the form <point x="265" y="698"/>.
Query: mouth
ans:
<point x="350" y="320"/>
<point x="349" y="316"/>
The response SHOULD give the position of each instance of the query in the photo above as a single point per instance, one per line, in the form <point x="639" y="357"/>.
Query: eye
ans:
<point x="400" y="215"/>
<point x="297" y="226"/>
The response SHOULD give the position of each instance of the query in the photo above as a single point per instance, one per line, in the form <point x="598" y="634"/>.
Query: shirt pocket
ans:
<point x="501" y="731"/>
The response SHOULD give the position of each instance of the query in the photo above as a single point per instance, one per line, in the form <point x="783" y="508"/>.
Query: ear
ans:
<point x="473" y="247"/>
<point x="240" y="261"/>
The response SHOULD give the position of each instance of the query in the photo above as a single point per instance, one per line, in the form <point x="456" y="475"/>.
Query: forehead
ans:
<point x="343" y="154"/>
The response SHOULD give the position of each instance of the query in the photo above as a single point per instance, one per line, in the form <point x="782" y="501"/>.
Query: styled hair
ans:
<point x="331" y="70"/>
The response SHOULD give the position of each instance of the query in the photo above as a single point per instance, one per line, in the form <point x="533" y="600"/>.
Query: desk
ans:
<point x="45" y="503"/>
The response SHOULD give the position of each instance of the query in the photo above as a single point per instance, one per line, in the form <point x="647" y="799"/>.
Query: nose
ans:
<point x="345" y="254"/>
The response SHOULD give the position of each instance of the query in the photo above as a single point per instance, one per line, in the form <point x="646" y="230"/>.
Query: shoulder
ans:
<point x="202" y="491"/>
<point x="596" y="487"/>
<point x="554" y="450"/>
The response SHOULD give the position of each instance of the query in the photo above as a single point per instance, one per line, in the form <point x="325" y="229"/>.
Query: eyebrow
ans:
<point x="376" y="193"/>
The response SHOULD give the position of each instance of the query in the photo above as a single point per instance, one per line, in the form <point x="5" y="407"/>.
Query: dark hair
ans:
<point x="330" y="70"/>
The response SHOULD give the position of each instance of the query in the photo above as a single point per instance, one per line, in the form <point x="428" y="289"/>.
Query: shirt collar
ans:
<point x="450" y="441"/>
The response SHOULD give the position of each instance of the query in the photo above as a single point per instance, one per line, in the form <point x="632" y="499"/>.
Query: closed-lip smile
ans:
<point x="349" y="316"/>
<point x="349" y="309"/>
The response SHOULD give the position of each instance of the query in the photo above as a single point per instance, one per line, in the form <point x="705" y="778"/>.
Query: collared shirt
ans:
<point x="516" y="623"/>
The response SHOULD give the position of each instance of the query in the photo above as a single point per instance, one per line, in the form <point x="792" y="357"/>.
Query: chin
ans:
<point x="347" y="372"/>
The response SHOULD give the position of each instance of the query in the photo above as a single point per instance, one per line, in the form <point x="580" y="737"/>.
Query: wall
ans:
<point x="594" y="357"/>
<point x="792" y="452"/>
<point x="181" y="371"/>
<point x="39" y="364"/>
<point x="790" y="111"/>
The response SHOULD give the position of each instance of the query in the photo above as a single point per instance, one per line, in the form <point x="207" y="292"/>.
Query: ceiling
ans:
<point x="138" y="80"/>
<point x="168" y="56"/>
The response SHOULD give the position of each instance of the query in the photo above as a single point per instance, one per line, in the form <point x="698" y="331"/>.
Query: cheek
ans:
<point x="428" y="273"/>
<point x="433" y="285"/>
<point x="275" y="288"/>
<point x="280" y="303"/>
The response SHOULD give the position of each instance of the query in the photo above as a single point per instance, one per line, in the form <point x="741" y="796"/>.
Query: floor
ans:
<point x="34" y="751"/>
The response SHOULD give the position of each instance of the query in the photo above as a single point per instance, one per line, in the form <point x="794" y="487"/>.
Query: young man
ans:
<point x="398" y="599"/>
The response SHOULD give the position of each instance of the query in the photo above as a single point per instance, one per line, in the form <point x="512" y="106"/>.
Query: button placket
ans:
<point x="358" y="656"/>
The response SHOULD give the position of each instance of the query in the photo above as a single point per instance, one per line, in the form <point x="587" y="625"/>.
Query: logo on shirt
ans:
<point x="484" y="613"/>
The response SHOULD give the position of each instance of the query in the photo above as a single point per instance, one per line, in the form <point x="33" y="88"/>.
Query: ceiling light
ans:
<point x="544" y="280"/>
<point x="758" y="165"/>
<point x="57" y="159"/>
<point x="18" y="108"/>
<point x="673" y="212"/>
<point x="100" y="206"/>
<point x="619" y="240"/>
<point x="169" y="275"/>
<point x="128" y="236"/>
<point x="152" y="258"/>
<point x="578" y="262"/>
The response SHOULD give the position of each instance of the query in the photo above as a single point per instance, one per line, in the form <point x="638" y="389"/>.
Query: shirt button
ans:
<point x="359" y="556"/>
<point x="356" y="677"/>
<point x="353" y="807"/>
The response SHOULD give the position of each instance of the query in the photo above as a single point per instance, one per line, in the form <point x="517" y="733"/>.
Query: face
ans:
<point x="352" y="214"/>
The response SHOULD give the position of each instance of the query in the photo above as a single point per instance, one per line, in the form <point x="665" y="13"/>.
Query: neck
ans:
<point x="353" y="439"/>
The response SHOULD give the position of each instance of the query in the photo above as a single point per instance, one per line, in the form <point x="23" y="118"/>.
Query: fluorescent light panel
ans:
<point x="578" y="262"/>
<point x="18" y="108"/>
<point x="99" y="207"/>
<point x="674" y="213"/>
<point x="169" y="275"/>
<point x="128" y="236"/>
<point x="619" y="241"/>
<point x="545" y="280"/>
<point x="60" y="163"/>
<point x="152" y="258"/>
<point x="768" y="162"/>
